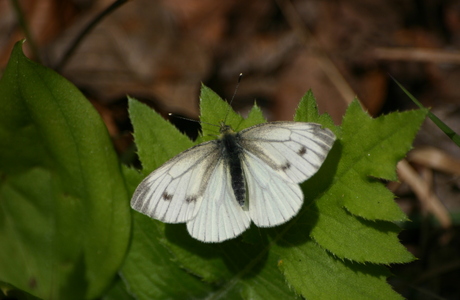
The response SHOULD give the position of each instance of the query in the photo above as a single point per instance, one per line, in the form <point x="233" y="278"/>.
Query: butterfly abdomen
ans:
<point x="232" y="152"/>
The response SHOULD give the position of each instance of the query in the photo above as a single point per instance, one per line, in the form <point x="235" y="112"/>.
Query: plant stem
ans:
<point x="76" y="43"/>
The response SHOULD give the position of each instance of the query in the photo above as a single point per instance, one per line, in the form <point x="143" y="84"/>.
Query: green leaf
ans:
<point x="307" y="111"/>
<point x="149" y="270"/>
<point x="236" y="268"/>
<point x="372" y="148"/>
<point x="303" y="255"/>
<point x="64" y="214"/>
<point x="164" y="140"/>
<point x="314" y="272"/>
<point x="369" y="148"/>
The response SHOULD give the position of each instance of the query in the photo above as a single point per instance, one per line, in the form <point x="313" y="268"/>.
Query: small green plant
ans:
<point x="65" y="217"/>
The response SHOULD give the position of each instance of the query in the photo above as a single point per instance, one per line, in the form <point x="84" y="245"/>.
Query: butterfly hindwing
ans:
<point x="273" y="200"/>
<point x="173" y="193"/>
<point x="220" y="217"/>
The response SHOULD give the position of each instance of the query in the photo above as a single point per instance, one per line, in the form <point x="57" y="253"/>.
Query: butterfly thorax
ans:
<point x="225" y="129"/>
<point x="232" y="153"/>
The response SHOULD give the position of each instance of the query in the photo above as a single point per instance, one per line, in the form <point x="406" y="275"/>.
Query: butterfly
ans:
<point x="218" y="187"/>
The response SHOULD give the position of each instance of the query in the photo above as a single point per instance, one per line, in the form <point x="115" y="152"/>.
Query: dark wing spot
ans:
<point x="302" y="151"/>
<point x="166" y="196"/>
<point x="190" y="199"/>
<point x="285" y="166"/>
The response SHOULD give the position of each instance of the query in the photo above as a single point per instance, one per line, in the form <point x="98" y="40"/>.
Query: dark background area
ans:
<point x="160" y="51"/>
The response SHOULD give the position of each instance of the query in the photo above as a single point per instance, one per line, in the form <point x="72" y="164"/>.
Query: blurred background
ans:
<point x="161" y="51"/>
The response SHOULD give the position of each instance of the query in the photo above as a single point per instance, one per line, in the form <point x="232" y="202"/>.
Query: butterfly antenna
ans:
<point x="234" y="94"/>
<point x="236" y="88"/>
<point x="191" y="120"/>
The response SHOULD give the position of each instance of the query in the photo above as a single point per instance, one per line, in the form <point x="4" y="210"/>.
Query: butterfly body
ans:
<point x="231" y="153"/>
<point x="219" y="187"/>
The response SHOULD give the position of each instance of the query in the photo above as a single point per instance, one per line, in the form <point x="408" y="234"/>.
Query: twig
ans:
<point x="436" y="159"/>
<point x="418" y="54"/>
<point x="426" y="196"/>
<point x="71" y="50"/>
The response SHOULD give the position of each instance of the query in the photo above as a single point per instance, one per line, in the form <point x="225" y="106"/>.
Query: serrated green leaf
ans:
<point x="242" y="267"/>
<point x="365" y="143"/>
<point x="165" y="140"/>
<point x="235" y="267"/>
<point x="372" y="148"/>
<point x="351" y="237"/>
<point x="307" y="111"/>
<point x="317" y="274"/>
<point x="64" y="214"/>
<point x="256" y="116"/>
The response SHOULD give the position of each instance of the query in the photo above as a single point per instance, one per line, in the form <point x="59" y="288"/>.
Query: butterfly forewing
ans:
<point x="295" y="150"/>
<point x="173" y="193"/>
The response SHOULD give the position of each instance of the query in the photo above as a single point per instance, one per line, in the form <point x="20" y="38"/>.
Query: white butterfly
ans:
<point x="220" y="186"/>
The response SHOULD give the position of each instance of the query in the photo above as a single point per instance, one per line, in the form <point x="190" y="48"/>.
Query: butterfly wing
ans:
<point x="220" y="216"/>
<point x="272" y="199"/>
<point x="173" y="193"/>
<point x="278" y="156"/>
<point x="295" y="150"/>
